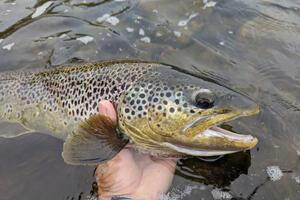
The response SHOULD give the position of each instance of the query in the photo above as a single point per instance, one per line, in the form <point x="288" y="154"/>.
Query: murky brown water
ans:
<point x="251" y="46"/>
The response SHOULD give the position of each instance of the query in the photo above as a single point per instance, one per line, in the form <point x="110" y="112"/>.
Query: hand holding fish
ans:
<point x="132" y="174"/>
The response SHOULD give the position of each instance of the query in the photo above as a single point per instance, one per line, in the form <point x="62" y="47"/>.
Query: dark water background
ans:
<point x="252" y="46"/>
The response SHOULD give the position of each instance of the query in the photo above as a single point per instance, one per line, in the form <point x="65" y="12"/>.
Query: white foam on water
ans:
<point x="219" y="194"/>
<point x="41" y="9"/>
<point x="297" y="179"/>
<point x="146" y="39"/>
<point x="158" y="34"/>
<point x="129" y="30"/>
<point x="208" y="4"/>
<point x="120" y="0"/>
<point x="186" y="21"/>
<point x="274" y="173"/>
<point x="113" y="20"/>
<point x="85" y="39"/>
<point x="222" y="43"/>
<point x="1" y="40"/>
<point x="108" y="18"/>
<point x="178" y="194"/>
<point x="141" y="32"/>
<point x="8" y="47"/>
<point x="177" y="33"/>
<point x="91" y="198"/>
<point x="63" y="36"/>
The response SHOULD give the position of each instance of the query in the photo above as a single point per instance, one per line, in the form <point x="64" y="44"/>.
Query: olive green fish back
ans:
<point x="53" y="101"/>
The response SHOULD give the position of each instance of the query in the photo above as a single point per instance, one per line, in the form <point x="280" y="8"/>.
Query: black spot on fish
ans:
<point x="131" y="102"/>
<point x="94" y="105"/>
<point x="172" y="110"/>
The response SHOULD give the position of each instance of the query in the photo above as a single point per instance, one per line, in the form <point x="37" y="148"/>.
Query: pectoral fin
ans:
<point x="95" y="140"/>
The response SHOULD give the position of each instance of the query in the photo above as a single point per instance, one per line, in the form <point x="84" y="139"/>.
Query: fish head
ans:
<point x="180" y="113"/>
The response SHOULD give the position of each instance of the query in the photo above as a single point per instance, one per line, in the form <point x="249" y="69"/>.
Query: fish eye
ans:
<point x="204" y="100"/>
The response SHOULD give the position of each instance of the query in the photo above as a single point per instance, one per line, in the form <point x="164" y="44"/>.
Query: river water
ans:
<point x="250" y="46"/>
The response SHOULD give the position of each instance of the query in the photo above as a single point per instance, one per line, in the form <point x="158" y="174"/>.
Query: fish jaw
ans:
<point x="212" y="141"/>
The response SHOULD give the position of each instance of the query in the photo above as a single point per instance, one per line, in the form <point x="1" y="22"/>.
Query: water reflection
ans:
<point x="219" y="173"/>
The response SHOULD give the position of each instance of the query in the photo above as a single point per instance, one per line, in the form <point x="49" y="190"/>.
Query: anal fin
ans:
<point x="95" y="140"/>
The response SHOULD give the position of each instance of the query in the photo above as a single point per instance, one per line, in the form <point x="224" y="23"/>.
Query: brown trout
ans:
<point x="161" y="110"/>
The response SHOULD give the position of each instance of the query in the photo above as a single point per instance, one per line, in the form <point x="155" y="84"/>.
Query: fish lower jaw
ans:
<point x="216" y="131"/>
<point x="197" y="152"/>
<point x="214" y="141"/>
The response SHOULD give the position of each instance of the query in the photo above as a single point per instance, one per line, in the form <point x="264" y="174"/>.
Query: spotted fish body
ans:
<point x="54" y="101"/>
<point x="161" y="109"/>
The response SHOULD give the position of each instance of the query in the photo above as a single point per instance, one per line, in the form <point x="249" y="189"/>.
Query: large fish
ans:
<point x="161" y="110"/>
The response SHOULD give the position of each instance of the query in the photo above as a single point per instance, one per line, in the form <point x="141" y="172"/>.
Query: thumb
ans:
<point x="106" y="108"/>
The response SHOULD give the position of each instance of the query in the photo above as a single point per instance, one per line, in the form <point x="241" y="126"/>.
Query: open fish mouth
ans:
<point x="214" y="140"/>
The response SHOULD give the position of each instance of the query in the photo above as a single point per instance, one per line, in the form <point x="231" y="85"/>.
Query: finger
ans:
<point x="107" y="108"/>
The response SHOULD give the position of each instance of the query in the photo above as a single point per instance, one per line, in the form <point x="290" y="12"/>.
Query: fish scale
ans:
<point x="66" y="94"/>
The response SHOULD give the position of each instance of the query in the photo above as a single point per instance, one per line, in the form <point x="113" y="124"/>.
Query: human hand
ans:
<point x="132" y="174"/>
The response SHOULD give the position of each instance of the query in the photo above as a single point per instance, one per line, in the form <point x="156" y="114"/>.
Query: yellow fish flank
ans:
<point x="161" y="110"/>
